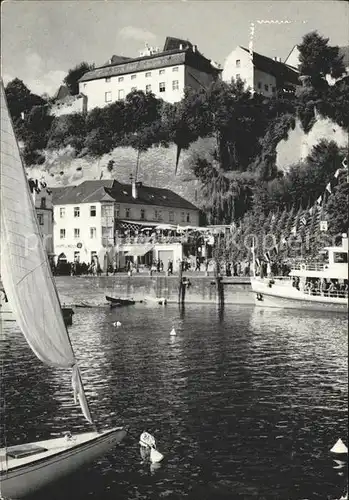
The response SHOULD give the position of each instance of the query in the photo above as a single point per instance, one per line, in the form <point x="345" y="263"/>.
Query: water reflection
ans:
<point x="243" y="403"/>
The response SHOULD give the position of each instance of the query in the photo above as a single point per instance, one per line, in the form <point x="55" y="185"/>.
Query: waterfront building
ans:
<point x="98" y="216"/>
<point x="262" y="74"/>
<point x="165" y="73"/>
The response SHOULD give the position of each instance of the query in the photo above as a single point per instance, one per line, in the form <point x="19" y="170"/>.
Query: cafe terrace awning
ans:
<point x="135" y="225"/>
<point x="136" y="250"/>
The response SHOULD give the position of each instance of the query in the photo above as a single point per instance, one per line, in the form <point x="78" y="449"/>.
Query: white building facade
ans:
<point x="164" y="73"/>
<point x="90" y="219"/>
<point x="261" y="74"/>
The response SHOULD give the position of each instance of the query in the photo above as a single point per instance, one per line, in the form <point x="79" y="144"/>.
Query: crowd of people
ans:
<point x="329" y="287"/>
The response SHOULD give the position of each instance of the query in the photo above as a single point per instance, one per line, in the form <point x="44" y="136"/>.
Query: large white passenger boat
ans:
<point x="311" y="286"/>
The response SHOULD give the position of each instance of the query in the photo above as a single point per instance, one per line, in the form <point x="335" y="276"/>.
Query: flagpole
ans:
<point x="253" y="259"/>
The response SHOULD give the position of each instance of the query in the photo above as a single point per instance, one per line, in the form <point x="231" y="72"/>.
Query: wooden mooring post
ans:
<point x="219" y="285"/>
<point x="181" y="285"/>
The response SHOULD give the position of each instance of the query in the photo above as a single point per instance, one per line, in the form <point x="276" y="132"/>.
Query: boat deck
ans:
<point x="9" y="460"/>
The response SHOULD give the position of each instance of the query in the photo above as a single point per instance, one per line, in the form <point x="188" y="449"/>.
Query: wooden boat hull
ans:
<point x="119" y="302"/>
<point x="284" y="296"/>
<point x="21" y="477"/>
<point x="6" y="314"/>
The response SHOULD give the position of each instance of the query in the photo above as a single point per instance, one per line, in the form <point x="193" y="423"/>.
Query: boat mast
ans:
<point x="48" y="265"/>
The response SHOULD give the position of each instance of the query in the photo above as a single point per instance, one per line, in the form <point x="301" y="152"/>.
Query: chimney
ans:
<point x="180" y="46"/>
<point x="134" y="187"/>
<point x="194" y="48"/>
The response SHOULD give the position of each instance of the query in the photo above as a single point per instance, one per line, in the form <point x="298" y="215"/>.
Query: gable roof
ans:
<point x="86" y="192"/>
<point x="62" y="92"/>
<point x="112" y="190"/>
<point x="148" y="195"/>
<point x="278" y="69"/>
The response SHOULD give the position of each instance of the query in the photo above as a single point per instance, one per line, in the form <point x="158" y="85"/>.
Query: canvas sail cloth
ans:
<point x="25" y="270"/>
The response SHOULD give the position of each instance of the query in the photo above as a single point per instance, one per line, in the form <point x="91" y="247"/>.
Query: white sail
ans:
<point x="25" y="270"/>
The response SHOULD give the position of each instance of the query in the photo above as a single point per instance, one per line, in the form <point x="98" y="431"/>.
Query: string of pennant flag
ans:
<point x="311" y="216"/>
<point x="328" y="188"/>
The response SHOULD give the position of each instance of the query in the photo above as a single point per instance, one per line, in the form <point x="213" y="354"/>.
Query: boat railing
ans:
<point x="340" y="294"/>
<point x="313" y="266"/>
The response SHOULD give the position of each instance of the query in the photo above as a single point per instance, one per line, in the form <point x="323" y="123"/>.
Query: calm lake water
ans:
<point x="244" y="403"/>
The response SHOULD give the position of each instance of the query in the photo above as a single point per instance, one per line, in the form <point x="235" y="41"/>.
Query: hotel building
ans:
<point x="96" y="215"/>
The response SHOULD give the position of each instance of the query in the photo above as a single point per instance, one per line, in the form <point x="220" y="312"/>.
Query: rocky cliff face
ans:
<point x="157" y="165"/>
<point x="299" y="145"/>
<point x="156" y="168"/>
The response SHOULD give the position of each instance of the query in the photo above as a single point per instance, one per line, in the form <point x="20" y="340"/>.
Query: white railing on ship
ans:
<point x="299" y="266"/>
<point x="340" y="294"/>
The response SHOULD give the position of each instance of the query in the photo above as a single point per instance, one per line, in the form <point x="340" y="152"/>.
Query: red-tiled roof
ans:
<point x="111" y="190"/>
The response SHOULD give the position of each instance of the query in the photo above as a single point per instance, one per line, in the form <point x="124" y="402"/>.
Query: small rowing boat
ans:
<point x="119" y="302"/>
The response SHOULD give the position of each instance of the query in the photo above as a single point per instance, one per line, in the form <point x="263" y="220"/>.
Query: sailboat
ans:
<point x="31" y="291"/>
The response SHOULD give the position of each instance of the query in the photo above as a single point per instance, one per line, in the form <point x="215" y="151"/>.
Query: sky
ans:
<point x="42" y="40"/>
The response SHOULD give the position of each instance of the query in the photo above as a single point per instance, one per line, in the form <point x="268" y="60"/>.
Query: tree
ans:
<point x="67" y="130"/>
<point x="20" y="99"/>
<point x="97" y="143"/>
<point x="141" y="109"/>
<point x="74" y="75"/>
<point x="317" y="59"/>
<point x="337" y="207"/>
